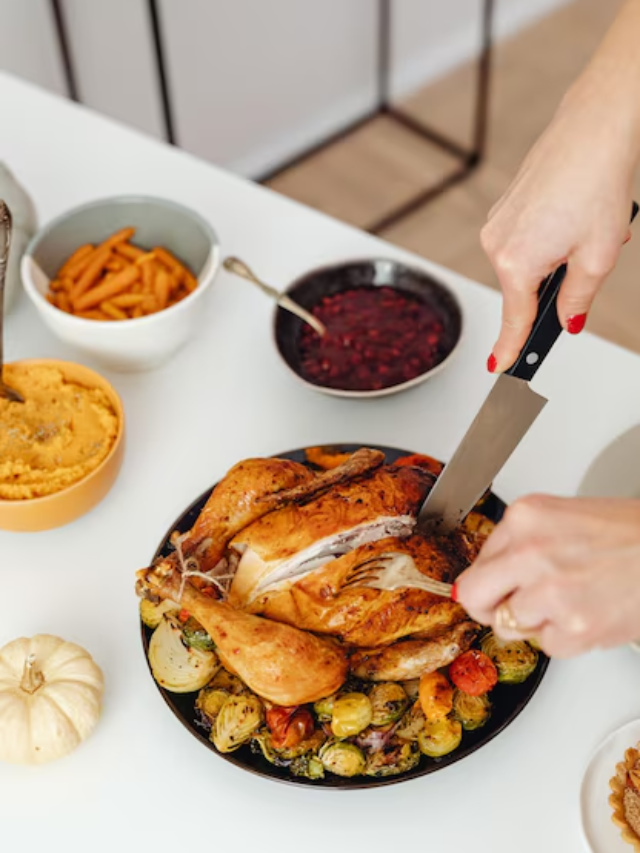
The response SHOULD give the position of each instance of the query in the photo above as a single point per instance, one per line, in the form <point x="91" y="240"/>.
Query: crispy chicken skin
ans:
<point x="278" y="662"/>
<point x="279" y="545"/>
<point x="255" y="487"/>
<point x="361" y="616"/>
<point x="410" y="659"/>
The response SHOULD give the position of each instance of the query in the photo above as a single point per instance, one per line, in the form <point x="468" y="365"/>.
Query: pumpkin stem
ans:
<point x="32" y="677"/>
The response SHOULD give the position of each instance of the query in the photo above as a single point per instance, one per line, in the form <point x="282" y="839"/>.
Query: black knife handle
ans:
<point x="546" y="327"/>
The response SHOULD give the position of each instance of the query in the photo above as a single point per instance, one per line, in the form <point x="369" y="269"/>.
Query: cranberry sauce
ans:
<point x="376" y="337"/>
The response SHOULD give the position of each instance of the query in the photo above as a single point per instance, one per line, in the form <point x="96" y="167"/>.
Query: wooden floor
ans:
<point x="382" y="165"/>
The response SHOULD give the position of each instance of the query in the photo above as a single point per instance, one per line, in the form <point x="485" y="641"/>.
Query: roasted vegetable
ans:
<point x="471" y="711"/>
<point x="440" y="737"/>
<point x="231" y="684"/>
<point x="515" y="660"/>
<point x="195" y="636"/>
<point x="237" y="720"/>
<point x="289" y="726"/>
<point x="436" y="695"/>
<point x="342" y="758"/>
<point x="352" y="713"/>
<point x="323" y="708"/>
<point x="151" y="613"/>
<point x="397" y="757"/>
<point x="209" y="702"/>
<point x="412" y="688"/>
<point x="412" y="723"/>
<point x="474" y="672"/>
<point x="175" y="666"/>
<point x="388" y="703"/>
<point x="307" y="765"/>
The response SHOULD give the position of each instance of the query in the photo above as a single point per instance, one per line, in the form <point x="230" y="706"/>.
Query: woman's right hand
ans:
<point x="569" y="203"/>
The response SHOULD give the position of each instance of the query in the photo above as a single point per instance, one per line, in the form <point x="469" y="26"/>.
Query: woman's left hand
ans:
<point x="569" y="569"/>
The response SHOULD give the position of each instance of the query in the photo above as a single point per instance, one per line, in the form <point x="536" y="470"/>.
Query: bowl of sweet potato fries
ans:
<point x="122" y="279"/>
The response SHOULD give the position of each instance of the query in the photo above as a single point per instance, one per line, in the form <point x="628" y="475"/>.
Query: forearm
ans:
<point x="608" y="91"/>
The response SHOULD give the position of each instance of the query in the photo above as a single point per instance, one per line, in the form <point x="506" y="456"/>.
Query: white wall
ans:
<point x="28" y="45"/>
<point x="252" y="82"/>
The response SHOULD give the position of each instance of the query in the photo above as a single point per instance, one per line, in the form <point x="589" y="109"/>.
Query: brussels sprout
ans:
<point x="307" y="765"/>
<point x="515" y="660"/>
<point x="196" y="637"/>
<point x="175" y="666"/>
<point x="231" y="684"/>
<point x="284" y="757"/>
<point x="323" y="708"/>
<point x="151" y="613"/>
<point x="342" y="758"/>
<point x="209" y="702"/>
<point x="237" y="720"/>
<point x="397" y="757"/>
<point x="412" y="723"/>
<point x="471" y="711"/>
<point x="440" y="737"/>
<point x="352" y="713"/>
<point x="311" y="745"/>
<point x="412" y="688"/>
<point x="388" y="703"/>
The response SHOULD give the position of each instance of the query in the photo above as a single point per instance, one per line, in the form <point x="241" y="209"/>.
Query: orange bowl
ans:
<point x="60" y="508"/>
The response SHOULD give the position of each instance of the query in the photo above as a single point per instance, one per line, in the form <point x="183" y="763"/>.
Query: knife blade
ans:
<point x="503" y="420"/>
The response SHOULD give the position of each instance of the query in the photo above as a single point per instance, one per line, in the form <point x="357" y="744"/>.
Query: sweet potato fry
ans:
<point x="127" y="300"/>
<point x="170" y="262"/>
<point x="148" y="277"/>
<point x="113" y="311"/>
<point x="106" y="290"/>
<point x="64" y="303"/>
<point x="93" y="314"/>
<point x="56" y="285"/>
<point x="137" y="312"/>
<point x="144" y="259"/>
<point x="190" y="281"/>
<point x="162" y="288"/>
<point x="90" y="276"/>
<point x="72" y="266"/>
<point x="149" y="304"/>
<point x="131" y="253"/>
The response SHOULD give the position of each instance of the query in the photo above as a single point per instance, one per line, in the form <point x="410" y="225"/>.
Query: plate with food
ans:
<point x="267" y="651"/>
<point x="610" y="793"/>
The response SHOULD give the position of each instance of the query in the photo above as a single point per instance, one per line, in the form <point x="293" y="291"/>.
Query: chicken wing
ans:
<point x="276" y="661"/>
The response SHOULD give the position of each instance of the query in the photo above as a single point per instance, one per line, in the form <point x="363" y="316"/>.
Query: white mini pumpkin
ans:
<point x="50" y="698"/>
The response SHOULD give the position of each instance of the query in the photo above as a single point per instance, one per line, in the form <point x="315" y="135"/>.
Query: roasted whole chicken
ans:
<point x="265" y="568"/>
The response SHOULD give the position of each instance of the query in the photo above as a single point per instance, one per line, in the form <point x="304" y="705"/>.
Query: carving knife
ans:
<point x="503" y="420"/>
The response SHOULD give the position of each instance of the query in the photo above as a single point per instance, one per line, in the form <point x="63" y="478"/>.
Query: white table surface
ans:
<point x="142" y="781"/>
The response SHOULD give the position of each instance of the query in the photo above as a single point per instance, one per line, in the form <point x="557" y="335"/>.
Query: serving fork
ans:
<point x="392" y="572"/>
<point x="5" y="242"/>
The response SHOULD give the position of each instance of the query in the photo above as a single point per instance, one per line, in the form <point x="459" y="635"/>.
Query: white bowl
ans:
<point x="127" y="345"/>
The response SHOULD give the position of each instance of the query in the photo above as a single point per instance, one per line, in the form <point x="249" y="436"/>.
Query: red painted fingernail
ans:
<point x="492" y="363"/>
<point x="627" y="238"/>
<point x="454" y="592"/>
<point x="575" y="324"/>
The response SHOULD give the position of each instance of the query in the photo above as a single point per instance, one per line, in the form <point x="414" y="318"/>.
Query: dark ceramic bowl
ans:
<point x="326" y="281"/>
<point x="508" y="700"/>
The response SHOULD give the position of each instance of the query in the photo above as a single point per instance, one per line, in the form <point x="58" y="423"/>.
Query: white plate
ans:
<point x="600" y="833"/>
<point x="616" y="471"/>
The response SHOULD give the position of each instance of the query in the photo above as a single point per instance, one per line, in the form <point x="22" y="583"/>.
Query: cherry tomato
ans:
<point x="289" y="726"/>
<point x="474" y="673"/>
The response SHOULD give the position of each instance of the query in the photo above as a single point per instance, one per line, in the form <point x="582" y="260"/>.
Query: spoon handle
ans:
<point x="5" y="243"/>
<point x="238" y="267"/>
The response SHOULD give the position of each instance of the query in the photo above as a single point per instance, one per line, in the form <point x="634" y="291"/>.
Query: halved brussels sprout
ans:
<point x="352" y="713"/>
<point x="323" y="708"/>
<point x="175" y="666"/>
<point x="388" y="703"/>
<point x="471" y="711"/>
<point x="231" y="684"/>
<point x="209" y="702"/>
<point x="412" y="688"/>
<point x="283" y="757"/>
<point x="151" y="612"/>
<point x="515" y="660"/>
<point x="309" y="766"/>
<point x="195" y="635"/>
<point x="412" y="723"/>
<point x="342" y="758"/>
<point x="237" y="720"/>
<point x="440" y="737"/>
<point x="397" y="757"/>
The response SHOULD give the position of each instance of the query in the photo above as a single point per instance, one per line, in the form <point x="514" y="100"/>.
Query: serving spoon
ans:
<point x="238" y="267"/>
<point x="5" y="242"/>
